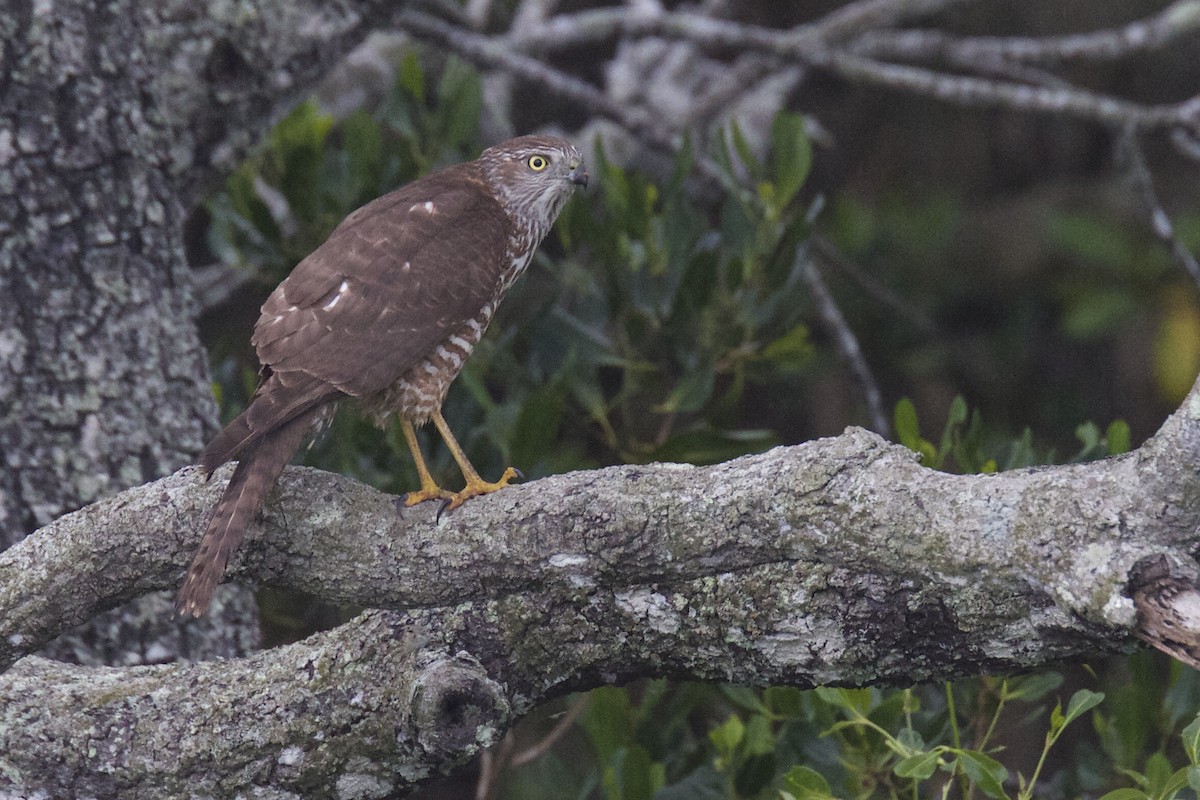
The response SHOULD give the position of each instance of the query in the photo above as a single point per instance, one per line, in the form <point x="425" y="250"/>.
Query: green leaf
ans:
<point x="1057" y="721"/>
<point x="1088" y="434"/>
<point x="1193" y="778"/>
<point x="805" y="783"/>
<point x="784" y="701"/>
<point x="1191" y="740"/>
<point x="789" y="350"/>
<point x="745" y="153"/>
<point x="1117" y="437"/>
<point x="364" y="149"/>
<point x="1098" y="313"/>
<point x="908" y="433"/>
<point x="727" y="737"/>
<point x="1125" y="794"/>
<point x="1161" y="780"/>
<point x="1173" y="784"/>
<point x="907" y="429"/>
<point x="607" y="720"/>
<point x="792" y="152"/>
<point x="637" y="775"/>
<point x="758" y="739"/>
<point x="1094" y="239"/>
<point x="745" y="697"/>
<point x="460" y="101"/>
<point x="911" y="739"/>
<point x="702" y="783"/>
<point x="1032" y="687"/>
<point x="412" y="77"/>
<point x="854" y="700"/>
<point x="691" y="392"/>
<point x="984" y="771"/>
<point x="955" y="417"/>
<point x="919" y="766"/>
<point x="1081" y="702"/>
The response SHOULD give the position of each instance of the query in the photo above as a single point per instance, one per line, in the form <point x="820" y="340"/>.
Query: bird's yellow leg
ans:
<point x="475" y="484"/>
<point x="429" y="490"/>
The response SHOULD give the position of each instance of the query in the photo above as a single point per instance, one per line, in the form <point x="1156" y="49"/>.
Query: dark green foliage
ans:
<point x="966" y="446"/>
<point x="987" y="737"/>
<point x="669" y="327"/>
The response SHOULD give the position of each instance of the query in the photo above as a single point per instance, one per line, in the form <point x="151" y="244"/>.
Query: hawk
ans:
<point x="385" y="312"/>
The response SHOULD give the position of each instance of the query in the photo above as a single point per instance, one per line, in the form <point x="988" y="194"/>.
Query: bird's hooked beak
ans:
<point x="578" y="174"/>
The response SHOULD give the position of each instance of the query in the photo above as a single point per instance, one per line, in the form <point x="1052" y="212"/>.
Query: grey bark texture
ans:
<point x="840" y="561"/>
<point x="114" y="118"/>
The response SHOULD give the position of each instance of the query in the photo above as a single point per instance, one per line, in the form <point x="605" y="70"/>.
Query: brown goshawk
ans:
<point x="386" y="312"/>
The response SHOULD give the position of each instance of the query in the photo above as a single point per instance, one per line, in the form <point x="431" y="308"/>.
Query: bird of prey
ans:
<point x="385" y="312"/>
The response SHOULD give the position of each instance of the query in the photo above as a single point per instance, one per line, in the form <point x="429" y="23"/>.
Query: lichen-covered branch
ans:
<point x="837" y="561"/>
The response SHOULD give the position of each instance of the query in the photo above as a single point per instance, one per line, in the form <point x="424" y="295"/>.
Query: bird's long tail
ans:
<point x="261" y="462"/>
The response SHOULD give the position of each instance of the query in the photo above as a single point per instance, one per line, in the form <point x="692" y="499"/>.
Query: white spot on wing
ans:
<point x="427" y="207"/>
<point x="342" y="288"/>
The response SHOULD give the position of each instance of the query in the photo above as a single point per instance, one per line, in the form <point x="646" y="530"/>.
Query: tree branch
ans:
<point x="1154" y="32"/>
<point x="836" y="561"/>
<point x="816" y="45"/>
<point x="1129" y="152"/>
<point x="844" y="341"/>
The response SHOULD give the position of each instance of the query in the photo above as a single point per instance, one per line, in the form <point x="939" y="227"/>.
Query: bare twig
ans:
<point x="807" y="44"/>
<point x="493" y="763"/>
<point x="970" y="91"/>
<point x="845" y="341"/>
<point x="1129" y="152"/>
<point x="1151" y="33"/>
<point x="214" y="284"/>
<point x="596" y="25"/>
<point x="489" y="52"/>
<point x="1187" y="142"/>
<point x="560" y="729"/>
<point x="825" y="250"/>
<point x="857" y="17"/>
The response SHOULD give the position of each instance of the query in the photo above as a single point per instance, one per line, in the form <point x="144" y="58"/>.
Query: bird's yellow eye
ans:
<point x="538" y="163"/>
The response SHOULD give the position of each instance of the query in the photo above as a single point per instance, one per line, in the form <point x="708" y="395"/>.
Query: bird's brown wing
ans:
<point x="393" y="281"/>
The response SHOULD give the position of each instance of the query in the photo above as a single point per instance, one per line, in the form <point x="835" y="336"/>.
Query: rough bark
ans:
<point x="840" y="561"/>
<point x="113" y="118"/>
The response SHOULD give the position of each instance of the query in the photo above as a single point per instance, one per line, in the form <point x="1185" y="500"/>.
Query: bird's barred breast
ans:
<point x="420" y="391"/>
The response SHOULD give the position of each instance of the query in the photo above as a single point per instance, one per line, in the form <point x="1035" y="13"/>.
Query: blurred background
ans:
<point x="768" y="253"/>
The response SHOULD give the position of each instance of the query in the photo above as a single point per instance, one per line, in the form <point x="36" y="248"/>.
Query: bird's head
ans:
<point x="533" y="176"/>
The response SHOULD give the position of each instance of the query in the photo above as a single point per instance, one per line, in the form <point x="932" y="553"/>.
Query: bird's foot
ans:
<point x="474" y="488"/>
<point x="431" y="492"/>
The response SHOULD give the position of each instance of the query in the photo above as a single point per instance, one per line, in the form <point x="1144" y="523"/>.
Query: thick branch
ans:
<point x="837" y="561"/>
